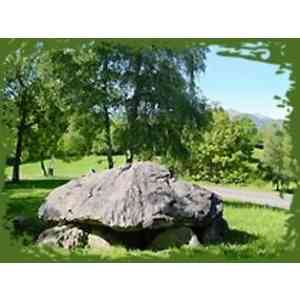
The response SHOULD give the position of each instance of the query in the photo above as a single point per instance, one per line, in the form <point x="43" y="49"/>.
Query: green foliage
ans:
<point x="224" y="151"/>
<point x="131" y="99"/>
<point x="31" y="90"/>
<point x="92" y="78"/>
<point x="163" y="91"/>
<point x="82" y="139"/>
<point x="278" y="163"/>
<point x="107" y="98"/>
<point x="73" y="144"/>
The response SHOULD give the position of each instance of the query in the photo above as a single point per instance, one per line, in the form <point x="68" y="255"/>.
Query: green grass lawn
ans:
<point x="66" y="170"/>
<point x="258" y="186"/>
<point x="256" y="232"/>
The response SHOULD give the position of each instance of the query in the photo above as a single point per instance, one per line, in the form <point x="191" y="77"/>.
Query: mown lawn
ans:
<point x="254" y="186"/>
<point x="257" y="233"/>
<point x="66" y="170"/>
<point x="76" y="168"/>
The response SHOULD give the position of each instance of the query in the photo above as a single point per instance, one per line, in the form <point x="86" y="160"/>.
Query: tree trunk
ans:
<point x="107" y="124"/>
<point x="108" y="138"/>
<point x="17" y="160"/>
<point x="132" y="137"/>
<point x="129" y="157"/>
<point x="277" y="185"/>
<point x="43" y="167"/>
<point x="20" y="133"/>
<point x="132" y="110"/>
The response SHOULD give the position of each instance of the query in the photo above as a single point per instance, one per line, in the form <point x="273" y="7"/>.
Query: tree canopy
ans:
<point x="107" y="92"/>
<point x="224" y="152"/>
<point x="33" y="93"/>
<point x="142" y="93"/>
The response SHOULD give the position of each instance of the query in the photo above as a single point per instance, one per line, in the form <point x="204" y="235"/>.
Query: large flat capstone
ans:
<point x="134" y="197"/>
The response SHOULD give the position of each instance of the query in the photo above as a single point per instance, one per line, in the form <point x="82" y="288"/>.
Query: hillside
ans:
<point x="259" y="120"/>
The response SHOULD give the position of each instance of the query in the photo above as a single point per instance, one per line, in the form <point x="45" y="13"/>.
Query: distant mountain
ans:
<point x="258" y="119"/>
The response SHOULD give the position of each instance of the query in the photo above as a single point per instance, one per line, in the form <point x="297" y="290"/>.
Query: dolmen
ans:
<point x="139" y="205"/>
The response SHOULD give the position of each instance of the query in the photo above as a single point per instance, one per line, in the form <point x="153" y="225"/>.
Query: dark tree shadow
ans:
<point x="21" y="218"/>
<point x="21" y="215"/>
<point x="245" y="205"/>
<point x="238" y="237"/>
<point x="38" y="184"/>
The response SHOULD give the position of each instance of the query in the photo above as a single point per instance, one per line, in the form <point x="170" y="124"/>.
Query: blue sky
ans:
<point x="244" y="85"/>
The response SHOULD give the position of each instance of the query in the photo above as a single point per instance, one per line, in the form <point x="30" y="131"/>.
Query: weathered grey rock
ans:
<point x="194" y="241"/>
<point x="66" y="236"/>
<point x="174" y="237"/>
<point x="131" y="198"/>
<point x="96" y="241"/>
<point x="195" y="203"/>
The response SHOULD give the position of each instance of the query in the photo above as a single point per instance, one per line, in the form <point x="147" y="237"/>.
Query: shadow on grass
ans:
<point x="246" y="205"/>
<point x="21" y="218"/>
<point x="23" y="200"/>
<point x="238" y="237"/>
<point x="35" y="184"/>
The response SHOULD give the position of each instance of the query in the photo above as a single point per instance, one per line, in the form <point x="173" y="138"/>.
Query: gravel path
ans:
<point x="271" y="199"/>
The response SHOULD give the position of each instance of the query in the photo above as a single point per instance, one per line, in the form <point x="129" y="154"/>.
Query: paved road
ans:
<point x="271" y="199"/>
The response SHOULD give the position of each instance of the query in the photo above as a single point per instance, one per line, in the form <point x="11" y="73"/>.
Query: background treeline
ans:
<point x="145" y="103"/>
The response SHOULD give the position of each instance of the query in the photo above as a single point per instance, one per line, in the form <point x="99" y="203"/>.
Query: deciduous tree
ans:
<point x="30" y="91"/>
<point x="224" y="151"/>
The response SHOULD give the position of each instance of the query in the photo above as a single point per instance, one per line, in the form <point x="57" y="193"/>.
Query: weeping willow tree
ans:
<point x="140" y="98"/>
<point x="161" y="98"/>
